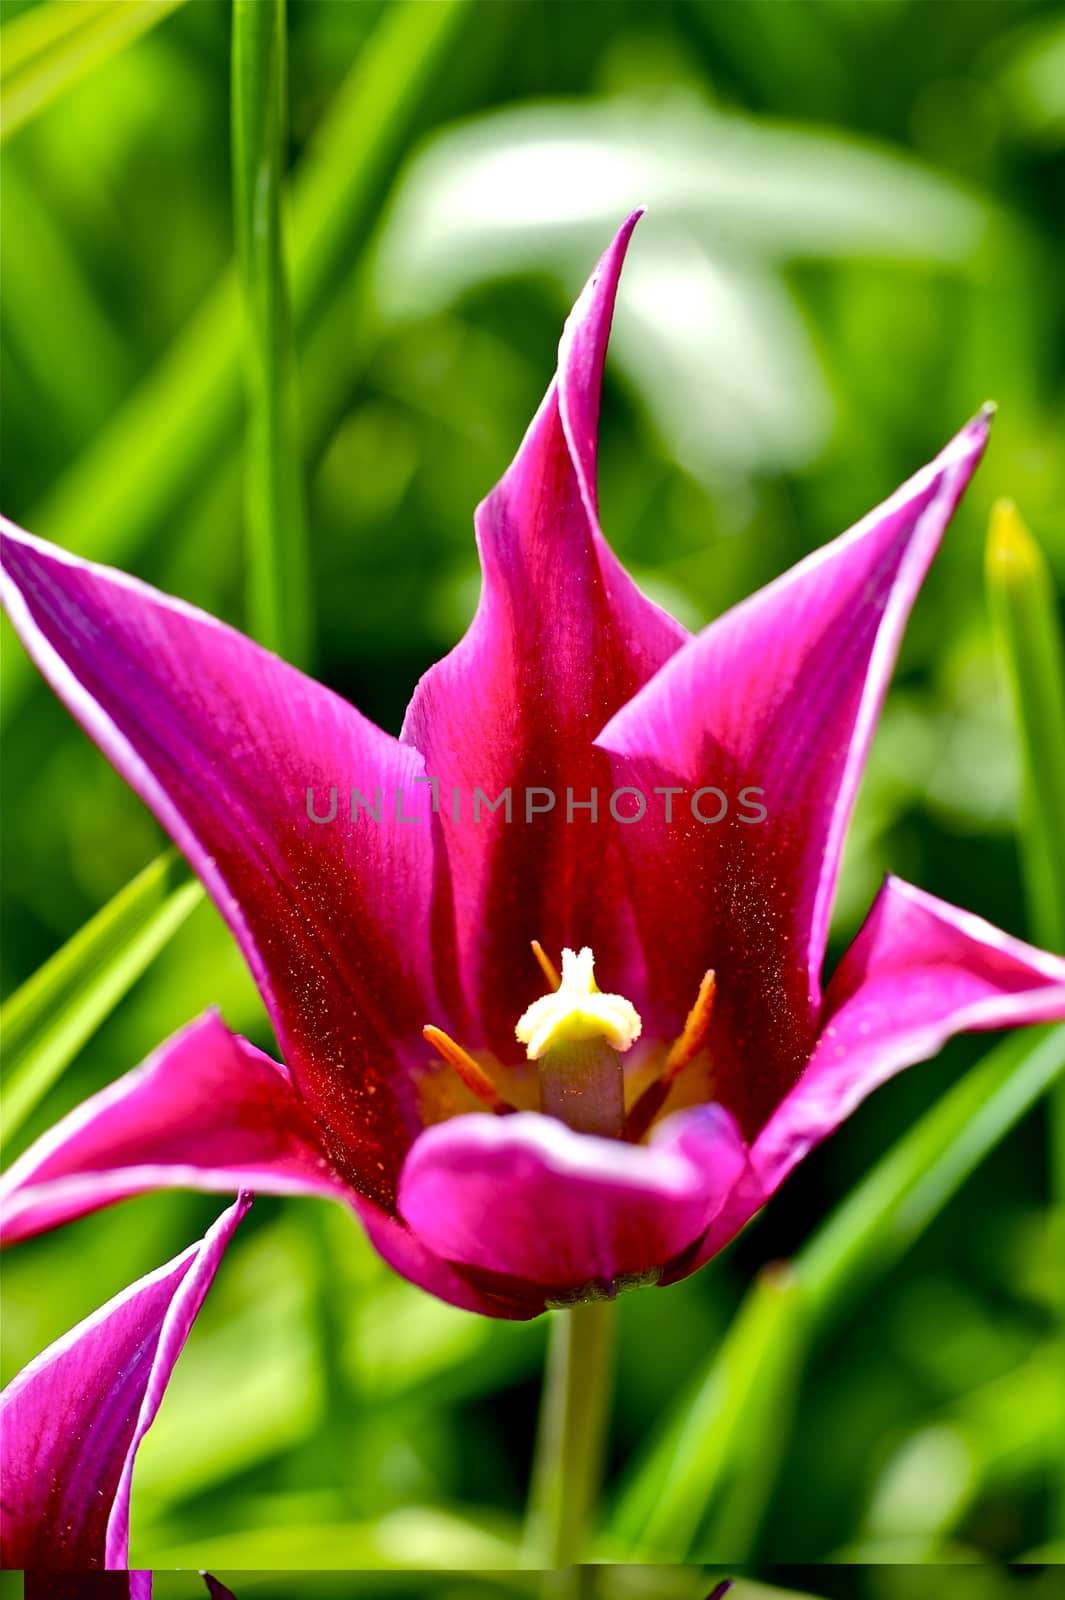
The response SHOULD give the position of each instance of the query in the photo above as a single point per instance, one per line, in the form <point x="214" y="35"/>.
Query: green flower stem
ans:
<point x="1024" y="613"/>
<point x="573" y="1422"/>
<point x="279" y="602"/>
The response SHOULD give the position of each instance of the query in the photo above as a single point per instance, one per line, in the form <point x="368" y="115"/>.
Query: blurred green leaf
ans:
<point x="46" y="1022"/>
<point x="33" y="246"/>
<point x="177" y="423"/>
<point x="726" y="1416"/>
<point x="279" y="600"/>
<point x="719" y="1449"/>
<point x="1031" y="78"/>
<point x="416" y="1538"/>
<point x="1025" y="613"/>
<point x="46" y="50"/>
<point x="707" y="331"/>
<point x="883" y="1216"/>
<point x="997" y="1436"/>
<point x="225" y="1413"/>
<point x="407" y="1350"/>
<point x="377" y="1585"/>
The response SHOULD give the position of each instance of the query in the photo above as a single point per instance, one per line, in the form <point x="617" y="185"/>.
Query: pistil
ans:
<point x="577" y="1036"/>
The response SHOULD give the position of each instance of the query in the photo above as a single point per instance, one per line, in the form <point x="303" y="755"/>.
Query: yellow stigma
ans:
<point x="577" y="1012"/>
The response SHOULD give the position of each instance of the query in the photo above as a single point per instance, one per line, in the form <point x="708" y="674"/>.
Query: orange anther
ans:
<point x="547" y="966"/>
<point x="686" y="1048"/>
<point x="696" y="1028"/>
<point x="470" y="1071"/>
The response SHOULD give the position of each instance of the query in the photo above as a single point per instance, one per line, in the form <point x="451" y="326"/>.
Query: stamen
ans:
<point x="547" y="966"/>
<point x="696" y="1028"/>
<point x="687" y="1047"/>
<point x="470" y="1071"/>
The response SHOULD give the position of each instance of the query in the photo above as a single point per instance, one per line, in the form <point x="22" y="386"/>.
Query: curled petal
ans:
<point x="207" y="1110"/>
<point x="223" y="741"/>
<point x="918" y="972"/>
<point x="561" y="639"/>
<point x="74" y="1418"/>
<point x="545" y="1214"/>
<point x="773" y="707"/>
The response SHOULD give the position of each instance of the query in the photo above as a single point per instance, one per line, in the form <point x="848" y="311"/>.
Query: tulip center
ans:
<point x="577" y="1036"/>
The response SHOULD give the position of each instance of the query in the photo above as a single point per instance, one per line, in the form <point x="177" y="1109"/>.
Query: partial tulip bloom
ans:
<point x="546" y="970"/>
<point x="73" y="1420"/>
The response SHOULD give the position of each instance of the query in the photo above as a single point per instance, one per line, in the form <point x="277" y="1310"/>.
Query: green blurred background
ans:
<point x="853" y="239"/>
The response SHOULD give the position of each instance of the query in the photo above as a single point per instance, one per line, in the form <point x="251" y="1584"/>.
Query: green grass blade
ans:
<point x="1026" y="621"/>
<point x="907" y="1189"/>
<point x="858" y="1244"/>
<point x="279" y="598"/>
<point x="719" y="1449"/>
<point x="1023" y="609"/>
<point x="177" y="425"/>
<point x="45" y="1023"/>
<point x="45" y="51"/>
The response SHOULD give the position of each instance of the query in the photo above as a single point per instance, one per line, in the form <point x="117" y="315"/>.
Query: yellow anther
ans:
<point x="578" y="1012"/>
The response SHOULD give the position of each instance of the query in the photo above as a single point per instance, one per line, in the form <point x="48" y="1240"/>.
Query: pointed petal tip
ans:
<point x="978" y="428"/>
<point x="967" y="447"/>
<point x="619" y="245"/>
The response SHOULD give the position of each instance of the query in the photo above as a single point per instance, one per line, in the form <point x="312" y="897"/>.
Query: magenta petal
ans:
<point x="223" y="740"/>
<point x="413" y="1260"/>
<point x="919" y="971"/>
<point x="561" y="639"/>
<point x="207" y="1110"/>
<point x="74" y="1418"/>
<point x="779" y="696"/>
<point x="549" y="1214"/>
<point x="218" y="1591"/>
